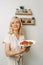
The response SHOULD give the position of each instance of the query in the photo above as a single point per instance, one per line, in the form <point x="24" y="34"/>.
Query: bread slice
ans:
<point x="26" y="42"/>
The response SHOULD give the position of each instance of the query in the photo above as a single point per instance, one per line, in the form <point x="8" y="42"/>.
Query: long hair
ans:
<point x="11" y="31"/>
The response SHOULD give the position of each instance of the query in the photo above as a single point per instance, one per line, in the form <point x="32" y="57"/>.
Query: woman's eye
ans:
<point x="15" y="22"/>
<point x="12" y="22"/>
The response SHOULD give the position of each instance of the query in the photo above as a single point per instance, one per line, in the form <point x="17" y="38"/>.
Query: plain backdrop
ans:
<point x="34" y="32"/>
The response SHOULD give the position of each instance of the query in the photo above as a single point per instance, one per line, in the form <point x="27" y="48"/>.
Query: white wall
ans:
<point x="7" y="10"/>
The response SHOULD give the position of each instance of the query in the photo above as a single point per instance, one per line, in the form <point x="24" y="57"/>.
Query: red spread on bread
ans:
<point x="26" y="42"/>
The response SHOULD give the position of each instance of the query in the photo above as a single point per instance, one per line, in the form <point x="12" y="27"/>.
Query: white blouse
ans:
<point x="13" y="41"/>
<point x="15" y="45"/>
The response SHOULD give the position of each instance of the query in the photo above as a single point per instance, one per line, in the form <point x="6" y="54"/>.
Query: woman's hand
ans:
<point x="27" y="48"/>
<point x="21" y="50"/>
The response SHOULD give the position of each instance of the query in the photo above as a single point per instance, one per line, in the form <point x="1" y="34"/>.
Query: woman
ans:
<point x="12" y="42"/>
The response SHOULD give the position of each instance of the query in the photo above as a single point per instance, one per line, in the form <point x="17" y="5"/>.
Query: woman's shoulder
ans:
<point x="7" y="36"/>
<point x="6" y="39"/>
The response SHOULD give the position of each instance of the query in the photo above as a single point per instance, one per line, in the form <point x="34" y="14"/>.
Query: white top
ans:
<point x="13" y="41"/>
<point x="15" y="45"/>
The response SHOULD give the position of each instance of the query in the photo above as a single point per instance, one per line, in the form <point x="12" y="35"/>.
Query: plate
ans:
<point x="33" y="42"/>
<point x="25" y="45"/>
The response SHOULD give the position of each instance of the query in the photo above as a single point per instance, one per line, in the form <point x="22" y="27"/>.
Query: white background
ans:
<point x="35" y="32"/>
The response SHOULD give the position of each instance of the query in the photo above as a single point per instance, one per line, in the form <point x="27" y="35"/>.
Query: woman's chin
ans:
<point x="15" y="29"/>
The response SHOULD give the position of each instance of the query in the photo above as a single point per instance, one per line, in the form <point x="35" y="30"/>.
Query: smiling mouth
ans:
<point x="15" y="26"/>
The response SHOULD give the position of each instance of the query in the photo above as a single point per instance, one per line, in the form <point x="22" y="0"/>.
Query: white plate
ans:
<point x="31" y="41"/>
<point x="28" y="44"/>
<point x="25" y="45"/>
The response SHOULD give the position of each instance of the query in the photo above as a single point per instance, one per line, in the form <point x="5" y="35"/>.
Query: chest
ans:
<point x="15" y="43"/>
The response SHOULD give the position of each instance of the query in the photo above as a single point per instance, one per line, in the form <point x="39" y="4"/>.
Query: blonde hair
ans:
<point x="11" y="31"/>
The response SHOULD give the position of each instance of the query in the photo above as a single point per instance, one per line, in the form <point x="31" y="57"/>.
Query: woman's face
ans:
<point x="15" y="24"/>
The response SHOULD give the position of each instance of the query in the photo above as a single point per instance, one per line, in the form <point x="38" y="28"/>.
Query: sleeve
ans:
<point x="7" y="39"/>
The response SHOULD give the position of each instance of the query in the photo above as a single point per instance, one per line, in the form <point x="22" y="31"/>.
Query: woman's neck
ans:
<point x="17" y="34"/>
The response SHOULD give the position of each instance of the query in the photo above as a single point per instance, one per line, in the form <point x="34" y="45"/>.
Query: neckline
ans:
<point x="16" y="36"/>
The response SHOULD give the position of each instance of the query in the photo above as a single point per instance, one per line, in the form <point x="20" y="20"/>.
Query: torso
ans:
<point x="15" y="42"/>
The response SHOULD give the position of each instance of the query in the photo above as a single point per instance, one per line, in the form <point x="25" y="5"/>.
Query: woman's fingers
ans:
<point x="27" y="48"/>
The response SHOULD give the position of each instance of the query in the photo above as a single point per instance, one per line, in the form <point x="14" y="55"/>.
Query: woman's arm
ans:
<point x="12" y="53"/>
